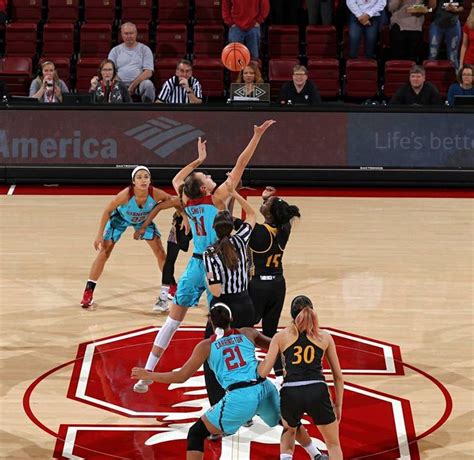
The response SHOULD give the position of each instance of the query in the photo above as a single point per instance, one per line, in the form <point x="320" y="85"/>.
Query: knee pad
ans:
<point x="197" y="434"/>
<point x="165" y="334"/>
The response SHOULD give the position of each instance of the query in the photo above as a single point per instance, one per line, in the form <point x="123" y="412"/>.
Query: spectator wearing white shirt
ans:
<point x="134" y="62"/>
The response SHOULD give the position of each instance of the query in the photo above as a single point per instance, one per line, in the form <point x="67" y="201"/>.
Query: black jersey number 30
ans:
<point x="307" y="355"/>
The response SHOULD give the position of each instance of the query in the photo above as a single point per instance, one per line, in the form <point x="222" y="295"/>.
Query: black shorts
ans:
<point x="313" y="399"/>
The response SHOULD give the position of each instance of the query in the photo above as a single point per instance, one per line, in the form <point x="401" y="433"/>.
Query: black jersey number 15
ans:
<point x="274" y="260"/>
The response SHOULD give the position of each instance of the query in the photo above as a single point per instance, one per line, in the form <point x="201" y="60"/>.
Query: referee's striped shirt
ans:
<point x="171" y="93"/>
<point x="232" y="281"/>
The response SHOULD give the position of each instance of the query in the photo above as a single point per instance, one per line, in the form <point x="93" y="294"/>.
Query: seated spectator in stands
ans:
<point x="417" y="91"/>
<point x="300" y="90"/>
<point x="134" y="63"/>
<point x="243" y="17"/>
<point x="107" y="87"/>
<point x="250" y="75"/>
<point x="464" y="86"/>
<point x="445" y="26"/>
<point x="467" y="47"/>
<point x="183" y="88"/>
<point x="406" y="37"/>
<point x="47" y="87"/>
<point x="3" y="91"/>
<point x="364" y="20"/>
<point x="3" y="12"/>
<point x="319" y="12"/>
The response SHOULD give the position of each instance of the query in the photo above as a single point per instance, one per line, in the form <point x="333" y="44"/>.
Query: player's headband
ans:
<point x="139" y="168"/>
<point x="220" y="304"/>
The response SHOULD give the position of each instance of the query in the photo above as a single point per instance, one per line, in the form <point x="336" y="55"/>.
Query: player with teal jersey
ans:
<point x="201" y="199"/>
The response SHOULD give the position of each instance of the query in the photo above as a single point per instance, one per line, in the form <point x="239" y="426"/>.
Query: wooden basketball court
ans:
<point x="395" y="270"/>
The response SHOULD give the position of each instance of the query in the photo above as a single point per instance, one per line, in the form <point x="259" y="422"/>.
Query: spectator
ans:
<point x="284" y="11"/>
<point x="183" y="88"/>
<point x="134" y="63"/>
<point x="47" y="87"/>
<point x="445" y="25"/>
<point x="244" y="18"/>
<point x="250" y="75"/>
<point x="364" y="21"/>
<point x="3" y="91"/>
<point x="300" y="90"/>
<point x="405" y="29"/>
<point x="467" y="47"/>
<point x="107" y="87"/>
<point x="464" y="86"/>
<point x="3" y="12"/>
<point x="417" y="91"/>
<point x="319" y="12"/>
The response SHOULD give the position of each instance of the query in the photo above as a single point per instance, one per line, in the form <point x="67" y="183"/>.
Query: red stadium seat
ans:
<point x="283" y="42"/>
<point x="173" y="11"/>
<point x="321" y="42"/>
<point x="345" y="44"/>
<point x="26" y="10"/>
<point x="20" y="39"/>
<point x="279" y="72"/>
<point x="164" y="69"/>
<point x="63" y="67"/>
<point x="86" y="68"/>
<point x="15" y="71"/>
<point x="361" y="78"/>
<point x="58" y="40"/>
<point x="101" y="11"/>
<point x="396" y="74"/>
<point x="208" y="40"/>
<point x="325" y="74"/>
<point x="143" y="33"/>
<point x="209" y="11"/>
<point x="440" y="73"/>
<point x="96" y="40"/>
<point x="171" y="40"/>
<point x="63" y="11"/>
<point x="210" y="73"/>
<point x="137" y="11"/>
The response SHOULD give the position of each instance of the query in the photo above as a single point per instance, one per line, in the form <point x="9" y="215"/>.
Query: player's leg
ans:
<point x="167" y="279"/>
<point x="330" y="434"/>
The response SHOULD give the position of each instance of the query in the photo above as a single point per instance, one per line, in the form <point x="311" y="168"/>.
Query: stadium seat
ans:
<point x="137" y="11"/>
<point x="164" y="69"/>
<point x="171" y="40"/>
<point x="20" y="39"/>
<point x="86" y="68"/>
<point x="208" y="40"/>
<point x="58" y="40"/>
<point x="279" y="71"/>
<point x="63" y="67"/>
<point x="101" y="11"/>
<point x="321" y="42"/>
<point x="208" y="11"/>
<point x="440" y="73"/>
<point x="361" y="78"/>
<point x="210" y="73"/>
<point x="63" y="11"/>
<point x="96" y="40"/>
<point x="396" y="74"/>
<point x="345" y="44"/>
<point x="325" y="74"/>
<point x="143" y="33"/>
<point x="15" y="71"/>
<point x="173" y="11"/>
<point x="26" y="10"/>
<point x="283" y="42"/>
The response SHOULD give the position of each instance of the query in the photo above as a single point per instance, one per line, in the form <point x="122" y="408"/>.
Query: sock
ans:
<point x="151" y="362"/>
<point x="286" y="457"/>
<point x="91" y="285"/>
<point x="312" y="450"/>
<point x="164" y="292"/>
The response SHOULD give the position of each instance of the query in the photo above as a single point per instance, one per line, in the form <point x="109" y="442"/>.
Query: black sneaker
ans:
<point x="321" y="457"/>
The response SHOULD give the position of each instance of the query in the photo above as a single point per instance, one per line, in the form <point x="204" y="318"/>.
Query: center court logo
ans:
<point x="163" y="136"/>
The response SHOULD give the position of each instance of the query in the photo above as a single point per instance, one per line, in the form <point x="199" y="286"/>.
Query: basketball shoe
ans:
<point x="87" y="299"/>
<point x="172" y="291"/>
<point x="142" y="386"/>
<point x="321" y="457"/>
<point x="161" y="305"/>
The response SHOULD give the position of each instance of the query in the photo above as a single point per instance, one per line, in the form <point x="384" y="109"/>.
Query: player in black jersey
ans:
<point x="304" y="388"/>
<point x="267" y="287"/>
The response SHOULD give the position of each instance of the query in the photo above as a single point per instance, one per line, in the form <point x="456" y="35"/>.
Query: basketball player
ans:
<point x="202" y="200"/>
<point x="129" y="208"/>
<point x="304" y="388"/>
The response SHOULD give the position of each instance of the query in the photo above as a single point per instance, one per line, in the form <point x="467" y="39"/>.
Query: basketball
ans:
<point x="235" y="56"/>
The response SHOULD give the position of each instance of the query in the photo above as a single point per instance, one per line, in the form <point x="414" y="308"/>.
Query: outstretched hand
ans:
<point x="268" y="192"/>
<point x="259" y="130"/>
<point x="138" y="234"/>
<point x="202" y="152"/>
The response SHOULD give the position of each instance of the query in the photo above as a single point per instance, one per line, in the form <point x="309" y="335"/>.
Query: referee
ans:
<point x="227" y="276"/>
<point x="183" y="88"/>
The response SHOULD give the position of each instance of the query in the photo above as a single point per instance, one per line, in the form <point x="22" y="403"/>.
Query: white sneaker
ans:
<point x="161" y="305"/>
<point x="142" y="386"/>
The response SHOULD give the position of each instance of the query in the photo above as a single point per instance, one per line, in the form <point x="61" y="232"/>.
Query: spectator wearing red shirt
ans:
<point x="244" y="18"/>
<point x="467" y="47"/>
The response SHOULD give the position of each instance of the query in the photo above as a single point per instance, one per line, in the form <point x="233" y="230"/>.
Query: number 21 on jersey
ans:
<point x="233" y="358"/>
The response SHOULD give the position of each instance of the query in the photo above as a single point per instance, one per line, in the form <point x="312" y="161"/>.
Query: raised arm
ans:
<point x="178" y="180"/>
<point x="250" y="215"/>
<point x="221" y="194"/>
<point x="196" y="360"/>
<point x="333" y="360"/>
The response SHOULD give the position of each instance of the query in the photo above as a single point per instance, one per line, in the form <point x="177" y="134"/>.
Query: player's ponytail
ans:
<point x="192" y="187"/>
<point x="282" y="212"/>
<point x="304" y="316"/>
<point x="221" y="317"/>
<point x="223" y="225"/>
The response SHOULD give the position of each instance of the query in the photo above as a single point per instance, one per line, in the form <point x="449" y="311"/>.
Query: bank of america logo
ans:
<point x="164" y="136"/>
